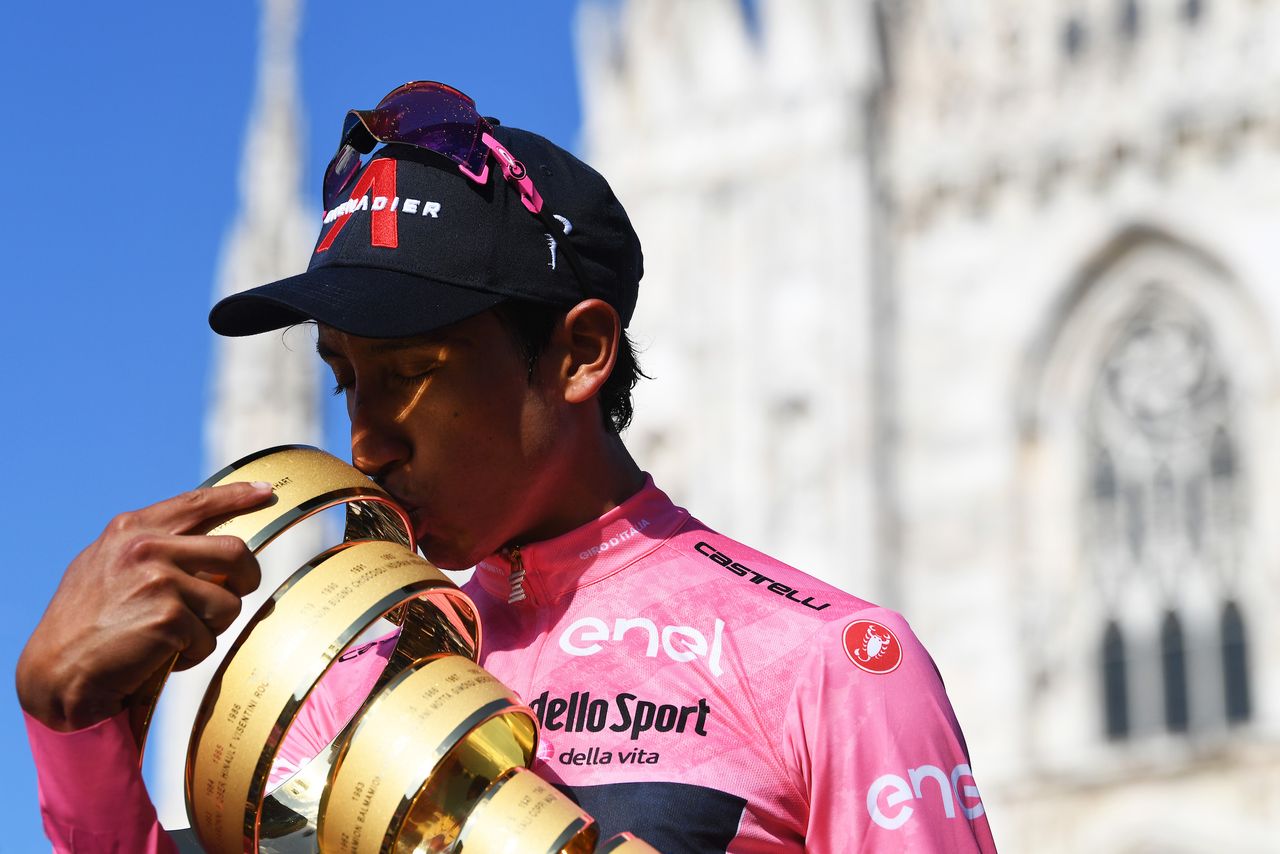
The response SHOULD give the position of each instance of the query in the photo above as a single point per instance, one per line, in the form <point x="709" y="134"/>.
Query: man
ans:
<point x="471" y="285"/>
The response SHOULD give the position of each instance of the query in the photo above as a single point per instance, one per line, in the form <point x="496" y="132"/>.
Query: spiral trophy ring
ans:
<point x="436" y="759"/>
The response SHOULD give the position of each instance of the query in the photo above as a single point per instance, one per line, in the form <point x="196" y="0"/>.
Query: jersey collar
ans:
<point x="540" y="573"/>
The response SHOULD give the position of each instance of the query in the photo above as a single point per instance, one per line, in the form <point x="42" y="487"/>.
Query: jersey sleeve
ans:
<point x="92" y="797"/>
<point x="872" y="739"/>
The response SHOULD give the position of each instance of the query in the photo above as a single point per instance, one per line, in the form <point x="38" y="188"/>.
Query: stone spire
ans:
<point x="265" y="388"/>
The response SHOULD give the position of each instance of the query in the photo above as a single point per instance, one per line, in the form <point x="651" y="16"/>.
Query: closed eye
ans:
<point x="341" y="384"/>
<point x="412" y="379"/>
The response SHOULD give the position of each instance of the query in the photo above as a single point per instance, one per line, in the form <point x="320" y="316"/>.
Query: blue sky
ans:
<point x="123" y="138"/>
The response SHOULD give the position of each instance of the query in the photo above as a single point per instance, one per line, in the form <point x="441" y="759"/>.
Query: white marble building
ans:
<point x="972" y="307"/>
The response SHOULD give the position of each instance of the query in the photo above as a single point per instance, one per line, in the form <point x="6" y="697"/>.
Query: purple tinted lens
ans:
<point x="431" y="116"/>
<point x="426" y="115"/>
<point x="341" y="170"/>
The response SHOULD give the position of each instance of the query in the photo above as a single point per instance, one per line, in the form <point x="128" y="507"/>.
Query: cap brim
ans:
<point x="363" y="301"/>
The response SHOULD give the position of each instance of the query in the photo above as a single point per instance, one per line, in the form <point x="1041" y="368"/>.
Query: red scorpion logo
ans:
<point x="872" y="646"/>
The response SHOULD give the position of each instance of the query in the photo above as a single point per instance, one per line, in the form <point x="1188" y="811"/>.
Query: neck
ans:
<point x="594" y="477"/>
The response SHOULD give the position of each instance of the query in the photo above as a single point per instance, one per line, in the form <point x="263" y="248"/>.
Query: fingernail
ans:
<point x="260" y="484"/>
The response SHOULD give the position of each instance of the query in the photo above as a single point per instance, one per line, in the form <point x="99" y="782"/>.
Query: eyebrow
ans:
<point x="395" y="345"/>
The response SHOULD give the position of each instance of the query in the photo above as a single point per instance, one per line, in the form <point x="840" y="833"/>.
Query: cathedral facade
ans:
<point x="973" y="309"/>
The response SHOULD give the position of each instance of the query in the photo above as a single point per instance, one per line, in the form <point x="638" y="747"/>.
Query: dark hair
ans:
<point x="530" y="324"/>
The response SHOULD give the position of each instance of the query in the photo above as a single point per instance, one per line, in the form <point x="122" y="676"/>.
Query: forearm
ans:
<point x="92" y="797"/>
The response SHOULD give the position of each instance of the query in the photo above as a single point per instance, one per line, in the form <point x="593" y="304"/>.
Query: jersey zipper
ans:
<point x="517" y="593"/>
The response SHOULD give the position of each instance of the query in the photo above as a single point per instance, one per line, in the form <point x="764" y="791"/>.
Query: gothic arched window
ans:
<point x="1235" y="664"/>
<point x="1163" y="493"/>
<point x="1173" y="669"/>
<point x="1115" y="682"/>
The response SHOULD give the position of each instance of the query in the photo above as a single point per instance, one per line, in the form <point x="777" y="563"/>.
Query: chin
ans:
<point x="444" y="557"/>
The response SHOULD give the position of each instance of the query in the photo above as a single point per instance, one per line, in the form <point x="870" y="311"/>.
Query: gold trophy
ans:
<point x="436" y="760"/>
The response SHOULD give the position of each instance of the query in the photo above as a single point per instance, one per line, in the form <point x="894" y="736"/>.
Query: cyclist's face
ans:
<point x="452" y="426"/>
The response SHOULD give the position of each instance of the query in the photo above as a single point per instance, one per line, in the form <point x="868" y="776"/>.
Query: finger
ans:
<point x="192" y="510"/>
<point x="199" y="642"/>
<point x="222" y="560"/>
<point x="213" y="605"/>
<point x="175" y="628"/>
<point x="238" y="569"/>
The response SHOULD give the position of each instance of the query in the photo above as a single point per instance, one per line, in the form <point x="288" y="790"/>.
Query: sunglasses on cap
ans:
<point x="437" y="118"/>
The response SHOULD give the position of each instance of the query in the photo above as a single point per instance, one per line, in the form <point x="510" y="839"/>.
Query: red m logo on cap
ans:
<point x="380" y="177"/>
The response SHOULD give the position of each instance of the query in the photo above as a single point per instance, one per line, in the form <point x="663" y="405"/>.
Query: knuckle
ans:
<point x="141" y="548"/>
<point x="170" y="611"/>
<point x="194" y="498"/>
<point x="169" y="637"/>
<point x="166" y="638"/>
<point x="156" y="582"/>
<point x="123" y="523"/>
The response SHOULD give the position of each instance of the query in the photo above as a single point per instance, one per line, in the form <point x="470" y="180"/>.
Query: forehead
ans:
<point x="331" y="342"/>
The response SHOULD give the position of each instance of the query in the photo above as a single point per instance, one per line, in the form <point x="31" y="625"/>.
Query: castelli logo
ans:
<point x="872" y="646"/>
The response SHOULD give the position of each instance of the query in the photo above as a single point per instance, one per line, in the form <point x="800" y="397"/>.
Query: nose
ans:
<point x="378" y="444"/>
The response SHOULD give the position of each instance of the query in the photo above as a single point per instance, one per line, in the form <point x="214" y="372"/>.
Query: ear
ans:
<point x="588" y="337"/>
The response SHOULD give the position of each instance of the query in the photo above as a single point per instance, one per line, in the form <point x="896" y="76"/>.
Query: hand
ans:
<point x="150" y="586"/>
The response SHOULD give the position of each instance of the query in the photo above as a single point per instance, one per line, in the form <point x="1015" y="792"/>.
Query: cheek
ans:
<point x="505" y="457"/>
<point x="490" y="436"/>
<point x="546" y="421"/>
<point x="547" y="431"/>
<point x="514" y="415"/>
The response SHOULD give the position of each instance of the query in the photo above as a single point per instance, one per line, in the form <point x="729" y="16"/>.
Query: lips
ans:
<point x="396" y="495"/>
<point x="413" y="510"/>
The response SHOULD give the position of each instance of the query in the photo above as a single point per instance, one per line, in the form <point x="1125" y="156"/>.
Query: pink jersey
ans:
<point x="691" y="690"/>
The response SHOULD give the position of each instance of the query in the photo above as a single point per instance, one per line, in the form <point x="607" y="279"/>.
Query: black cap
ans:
<point x="421" y="246"/>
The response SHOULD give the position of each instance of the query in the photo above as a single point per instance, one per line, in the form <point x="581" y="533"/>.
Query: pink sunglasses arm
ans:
<point x="513" y="170"/>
